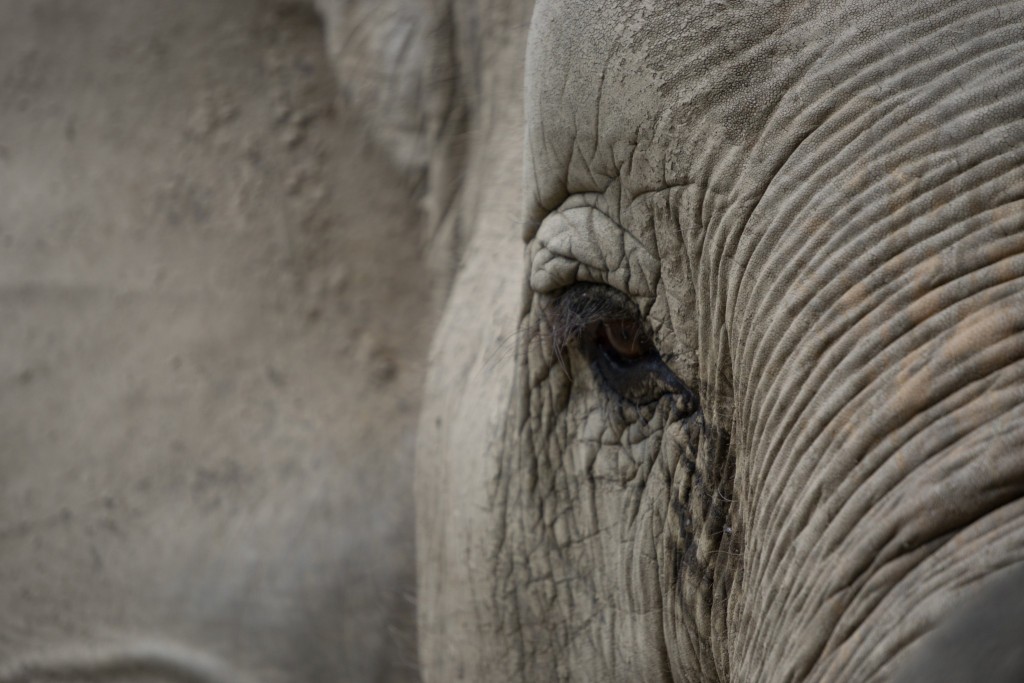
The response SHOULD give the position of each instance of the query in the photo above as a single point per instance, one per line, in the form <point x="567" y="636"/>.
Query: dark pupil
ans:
<point x="625" y="338"/>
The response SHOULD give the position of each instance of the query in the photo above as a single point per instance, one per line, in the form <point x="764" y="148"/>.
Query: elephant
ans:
<point x="727" y="383"/>
<point x="730" y="380"/>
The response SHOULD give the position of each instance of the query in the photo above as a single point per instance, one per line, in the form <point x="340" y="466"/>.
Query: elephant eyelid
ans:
<point x="606" y="326"/>
<point x="578" y="308"/>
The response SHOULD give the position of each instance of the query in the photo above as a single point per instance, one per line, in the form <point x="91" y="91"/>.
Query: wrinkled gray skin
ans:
<point x="980" y="641"/>
<point x="816" y="210"/>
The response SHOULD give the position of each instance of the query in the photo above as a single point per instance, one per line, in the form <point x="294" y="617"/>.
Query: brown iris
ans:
<point x="625" y="339"/>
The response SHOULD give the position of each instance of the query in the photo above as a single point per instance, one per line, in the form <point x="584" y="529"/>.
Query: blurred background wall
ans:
<point x="214" y="316"/>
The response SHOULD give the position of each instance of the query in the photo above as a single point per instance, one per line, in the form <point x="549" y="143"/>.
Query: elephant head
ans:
<point x="731" y="382"/>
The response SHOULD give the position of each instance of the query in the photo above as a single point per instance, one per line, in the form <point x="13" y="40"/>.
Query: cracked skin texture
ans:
<point x="817" y="211"/>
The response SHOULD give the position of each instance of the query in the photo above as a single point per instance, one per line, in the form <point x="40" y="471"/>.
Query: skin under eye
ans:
<point x="607" y="329"/>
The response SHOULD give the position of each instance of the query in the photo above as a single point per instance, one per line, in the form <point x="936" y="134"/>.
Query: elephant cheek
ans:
<point x="701" y="549"/>
<point x="620" y="546"/>
<point x="466" y="400"/>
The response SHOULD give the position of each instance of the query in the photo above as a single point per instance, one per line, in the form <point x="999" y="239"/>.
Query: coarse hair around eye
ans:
<point x="576" y="308"/>
<point x="562" y="319"/>
<point x="571" y="312"/>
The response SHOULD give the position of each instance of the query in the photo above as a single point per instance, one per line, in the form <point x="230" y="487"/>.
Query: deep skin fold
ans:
<point x="808" y="185"/>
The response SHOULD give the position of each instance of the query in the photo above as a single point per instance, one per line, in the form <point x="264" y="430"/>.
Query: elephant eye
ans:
<point x="606" y="327"/>
<point x="624" y="340"/>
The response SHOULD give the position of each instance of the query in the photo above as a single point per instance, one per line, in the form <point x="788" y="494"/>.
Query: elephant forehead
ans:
<point x="645" y="90"/>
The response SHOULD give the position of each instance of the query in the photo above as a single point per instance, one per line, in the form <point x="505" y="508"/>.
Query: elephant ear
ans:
<point x="395" y="68"/>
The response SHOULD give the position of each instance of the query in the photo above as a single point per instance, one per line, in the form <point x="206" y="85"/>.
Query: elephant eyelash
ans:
<point x="605" y="325"/>
<point x="577" y="309"/>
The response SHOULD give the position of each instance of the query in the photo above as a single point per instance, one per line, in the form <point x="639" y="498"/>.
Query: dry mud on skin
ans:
<point x="215" y="319"/>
